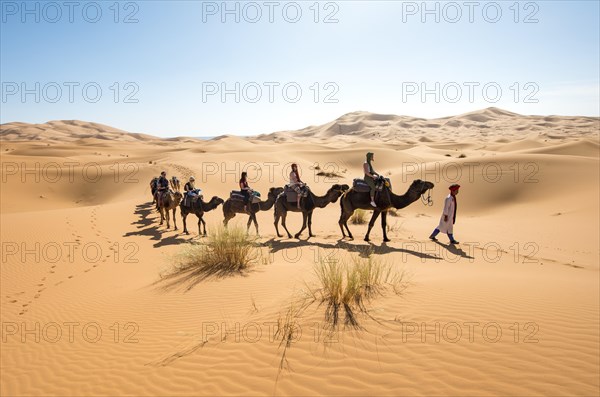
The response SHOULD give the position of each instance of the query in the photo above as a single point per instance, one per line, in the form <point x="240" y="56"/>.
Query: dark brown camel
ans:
<point x="169" y="201"/>
<point x="198" y="208"/>
<point x="307" y="206"/>
<point x="232" y="207"/>
<point x="385" y="199"/>
<point x="153" y="187"/>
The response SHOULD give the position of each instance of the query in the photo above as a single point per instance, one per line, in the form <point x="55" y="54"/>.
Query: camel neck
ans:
<point x="266" y="205"/>
<point x="322" y="201"/>
<point x="404" y="200"/>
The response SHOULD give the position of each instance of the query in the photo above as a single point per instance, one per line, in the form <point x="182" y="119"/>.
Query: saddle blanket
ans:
<point x="291" y="194"/>
<point x="359" y="185"/>
<point x="191" y="197"/>
<point x="237" y="195"/>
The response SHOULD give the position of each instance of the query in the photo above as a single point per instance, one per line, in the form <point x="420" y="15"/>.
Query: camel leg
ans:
<point x="203" y="225"/>
<point x="371" y="223"/>
<point x="175" y="218"/>
<point x="183" y="216"/>
<point x="168" y="218"/>
<point x="304" y="217"/>
<point x="228" y="216"/>
<point x="283" y="216"/>
<point x="249" y="223"/>
<point x="162" y="216"/>
<point x="348" y="229"/>
<point x="276" y="217"/>
<point x="343" y="222"/>
<point x="384" y="226"/>
<point x="310" y="233"/>
<point x="255" y="222"/>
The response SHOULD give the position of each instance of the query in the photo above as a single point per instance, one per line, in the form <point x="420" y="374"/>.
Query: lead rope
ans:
<point x="427" y="200"/>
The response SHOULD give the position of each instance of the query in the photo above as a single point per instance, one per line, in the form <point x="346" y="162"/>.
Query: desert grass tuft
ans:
<point x="394" y="212"/>
<point x="226" y="252"/>
<point x="328" y="174"/>
<point x="346" y="288"/>
<point x="288" y="330"/>
<point x="359" y="217"/>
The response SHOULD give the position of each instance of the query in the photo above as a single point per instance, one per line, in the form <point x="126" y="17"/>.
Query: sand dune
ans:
<point x="527" y="265"/>
<point x="389" y="127"/>
<point x="66" y="131"/>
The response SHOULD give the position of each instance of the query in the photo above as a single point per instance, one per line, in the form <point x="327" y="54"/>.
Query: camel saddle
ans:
<point x="359" y="185"/>
<point x="291" y="194"/>
<point x="161" y="194"/>
<point x="190" y="197"/>
<point x="237" y="195"/>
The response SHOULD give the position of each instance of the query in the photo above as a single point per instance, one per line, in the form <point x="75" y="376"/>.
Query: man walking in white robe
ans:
<point x="448" y="217"/>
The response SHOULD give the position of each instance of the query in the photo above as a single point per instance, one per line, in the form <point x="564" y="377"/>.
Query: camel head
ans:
<point x="336" y="191"/>
<point x="420" y="186"/>
<point x="274" y="192"/>
<point x="177" y="196"/>
<point x="216" y="201"/>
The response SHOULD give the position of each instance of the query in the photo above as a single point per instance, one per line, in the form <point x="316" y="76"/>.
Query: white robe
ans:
<point x="447" y="226"/>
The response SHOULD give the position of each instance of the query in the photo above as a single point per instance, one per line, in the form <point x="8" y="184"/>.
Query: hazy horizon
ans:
<point x="173" y="134"/>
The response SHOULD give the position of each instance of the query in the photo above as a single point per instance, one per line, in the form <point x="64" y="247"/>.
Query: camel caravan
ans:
<point x="373" y="192"/>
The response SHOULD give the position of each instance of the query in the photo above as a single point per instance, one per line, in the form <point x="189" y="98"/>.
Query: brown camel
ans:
<point x="385" y="199"/>
<point x="199" y="207"/>
<point x="232" y="207"/>
<point x="153" y="188"/>
<point x="307" y="206"/>
<point x="169" y="201"/>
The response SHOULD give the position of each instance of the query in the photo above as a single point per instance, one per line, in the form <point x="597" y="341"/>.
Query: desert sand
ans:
<point x="512" y="310"/>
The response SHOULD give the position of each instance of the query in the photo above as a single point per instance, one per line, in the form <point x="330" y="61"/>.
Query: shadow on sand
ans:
<point x="453" y="249"/>
<point x="148" y="226"/>
<point x="188" y="278"/>
<point x="363" y="250"/>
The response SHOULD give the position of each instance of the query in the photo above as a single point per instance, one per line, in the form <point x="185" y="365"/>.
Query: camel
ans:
<point x="169" y="201"/>
<point x="385" y="199"/>
<point x="153" y="187"/>
<point x="307" y="206"/>
<point x="232" y="207"/>
<point x="199" y="207"/>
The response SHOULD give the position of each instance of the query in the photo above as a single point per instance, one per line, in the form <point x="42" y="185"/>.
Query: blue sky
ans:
<point x="163" y="72"/>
